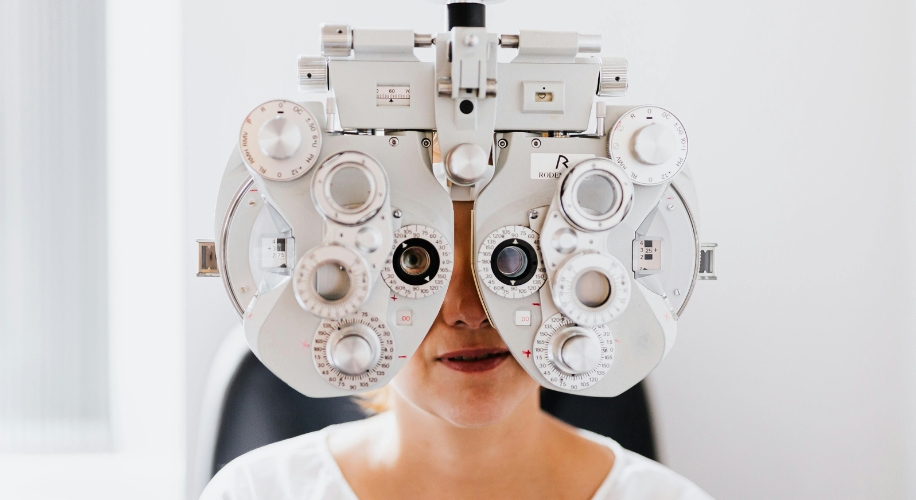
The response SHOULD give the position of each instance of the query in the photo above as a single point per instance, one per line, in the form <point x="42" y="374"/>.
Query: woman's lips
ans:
<point x="474" y="360"/>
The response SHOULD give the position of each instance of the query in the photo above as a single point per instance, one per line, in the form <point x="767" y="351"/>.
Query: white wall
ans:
<point x="791" y="378"/>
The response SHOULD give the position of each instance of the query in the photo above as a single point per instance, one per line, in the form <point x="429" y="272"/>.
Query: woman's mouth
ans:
<point x="474" y="360"/>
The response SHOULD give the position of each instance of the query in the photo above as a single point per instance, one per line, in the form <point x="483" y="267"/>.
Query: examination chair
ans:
<point x="246" y="407"/>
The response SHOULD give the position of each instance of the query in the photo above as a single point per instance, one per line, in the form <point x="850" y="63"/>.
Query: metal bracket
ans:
<point x="206" y="259"/>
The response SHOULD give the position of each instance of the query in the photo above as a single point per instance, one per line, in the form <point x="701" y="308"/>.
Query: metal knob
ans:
<point x="613" y="80"/>
<point x="466" y="164"/>
<point x="336" y="40"/>
<point x="353" y="350"/>
<point x="279" y="138"/>
<point x="575" y="350"/>
<point x="313" y="74"/>
<point x="655" y="144"/>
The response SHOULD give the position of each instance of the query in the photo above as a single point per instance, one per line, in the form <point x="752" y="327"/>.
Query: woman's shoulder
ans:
<point x="300" y="467"/>
<point x="635" y="476"/>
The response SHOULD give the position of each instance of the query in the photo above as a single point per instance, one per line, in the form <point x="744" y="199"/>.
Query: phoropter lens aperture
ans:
<point x="593" y="289"/>
<point x="414" y="261"/>
<point x="512" y="262"/>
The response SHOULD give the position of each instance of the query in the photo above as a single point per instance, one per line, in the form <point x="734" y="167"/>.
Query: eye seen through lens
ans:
<point x="415" y="261"/>
<point x="511" y="262"/>
<point x="350" y="188"/>
<point x="593" y="289"/>
<point x="596" y="195"/>
<point x="332" y="281"/>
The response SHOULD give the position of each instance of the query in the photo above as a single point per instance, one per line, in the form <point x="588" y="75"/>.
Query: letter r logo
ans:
<point x="562" y="160"/>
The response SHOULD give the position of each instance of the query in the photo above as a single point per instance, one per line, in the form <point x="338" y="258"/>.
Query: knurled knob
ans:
<point x="336" y="40"/>
<point x="313" y="74"/>
<point x="576" y="351"/>
<point x="613" y="79"/>
<point x="354" y="350"/>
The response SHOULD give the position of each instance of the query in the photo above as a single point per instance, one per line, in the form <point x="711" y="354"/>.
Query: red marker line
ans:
<point x="402" y="357"/>
<point x="536" y="304"/>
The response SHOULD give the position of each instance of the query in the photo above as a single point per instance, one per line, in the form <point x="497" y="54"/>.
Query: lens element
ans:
<point x="512" y="262"/>
<point x="415" y="261"/>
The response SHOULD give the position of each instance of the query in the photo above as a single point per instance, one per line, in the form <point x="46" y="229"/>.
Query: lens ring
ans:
<point x="441" y="261"/>
<point x="580" y="217"/>
<point x="422" y="246"/>
<point x="567" y="279"/>
<point x="525" y="240"/>
<point x="323" y="179"/>
<point x="512" y="261"/>
<point x="415" y="261"/>
<point x="530" y="262"/>
<point x="305" y="273"/>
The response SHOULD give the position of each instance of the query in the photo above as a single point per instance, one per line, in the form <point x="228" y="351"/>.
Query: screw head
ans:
<point x="426" y="143"/>
<point x="243" y="289"/>
<point x="532" y="214"/>
<point x="535" y="143"/>
<point x="670" y="207"/>
<point x="393" y="141"/>
<point x="397" y="214"/>
<point x="252" y="203"/>
<point x="471" y="40"/>
<point x="502" y="143"/>
<point x="677" y="291"/>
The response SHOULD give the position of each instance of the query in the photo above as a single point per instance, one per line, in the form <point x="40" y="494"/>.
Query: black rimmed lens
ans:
<point x="514" y="262"/>
<point x="415" y="261"/>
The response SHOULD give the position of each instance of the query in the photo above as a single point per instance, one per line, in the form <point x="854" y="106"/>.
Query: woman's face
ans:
<point x="463" y="371"/>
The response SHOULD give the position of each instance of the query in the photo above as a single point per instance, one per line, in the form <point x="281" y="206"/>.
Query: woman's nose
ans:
<point x="462" y="307"/>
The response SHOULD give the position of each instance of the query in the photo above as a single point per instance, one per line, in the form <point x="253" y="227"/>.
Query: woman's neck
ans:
<point x="409" y="453"/>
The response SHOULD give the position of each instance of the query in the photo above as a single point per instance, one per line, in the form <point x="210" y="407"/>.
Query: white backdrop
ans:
<point x="793" y="374"/>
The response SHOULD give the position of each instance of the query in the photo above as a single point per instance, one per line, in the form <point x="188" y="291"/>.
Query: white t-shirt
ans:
<point x="302" y="468"/>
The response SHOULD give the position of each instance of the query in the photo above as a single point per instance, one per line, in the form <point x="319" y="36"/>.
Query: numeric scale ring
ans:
<point x="305" y="276"/>
<point x="293" y="163"/>
<point x="324" y="177"/>
<point x="567" y="279"/>
<point x="435" y="278"/>
<point x="571" y="204"/>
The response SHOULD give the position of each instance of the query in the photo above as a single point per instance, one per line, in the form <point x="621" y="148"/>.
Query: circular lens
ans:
<point x="415" y="261"/>
<point x="593" y="289"/>
<point x="596" y="195"/>
<point x="511" y="262"/>
<point x="350" y="188"/>
<point x="331" y="281"/>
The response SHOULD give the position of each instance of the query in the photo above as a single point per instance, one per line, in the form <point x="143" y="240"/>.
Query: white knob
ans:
<point x="353" y="350"/>
<point x="576" y="350"/>
<point x="279" y="138"/>
<point x="655" y="144"/>
<point x="313" y="74"/>
<point x="466" y="164"/>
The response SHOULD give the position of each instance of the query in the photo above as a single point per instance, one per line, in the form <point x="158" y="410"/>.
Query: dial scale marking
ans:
<point x="302" y="159"/>
<point x="365" y="380"/>
<point x="621" y="145"/>
<point x="559" y="378"/>
<point x="485" y="255"/>
<point x="446" y="262"/>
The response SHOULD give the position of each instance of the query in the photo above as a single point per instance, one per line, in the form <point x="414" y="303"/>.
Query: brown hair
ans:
<point x="373" y="402"/>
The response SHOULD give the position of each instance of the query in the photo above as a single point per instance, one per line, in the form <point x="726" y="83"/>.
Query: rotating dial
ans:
<point x="331" y="281"/>
<point x="509" y="262"/>
<point x="280" y="140"/>
<point x="571" y="356"/>
<point x="420" y="264"/>
<point x="650" y="144"/>
<point x="353" y="353"/>
<point x="592" y="288"/>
